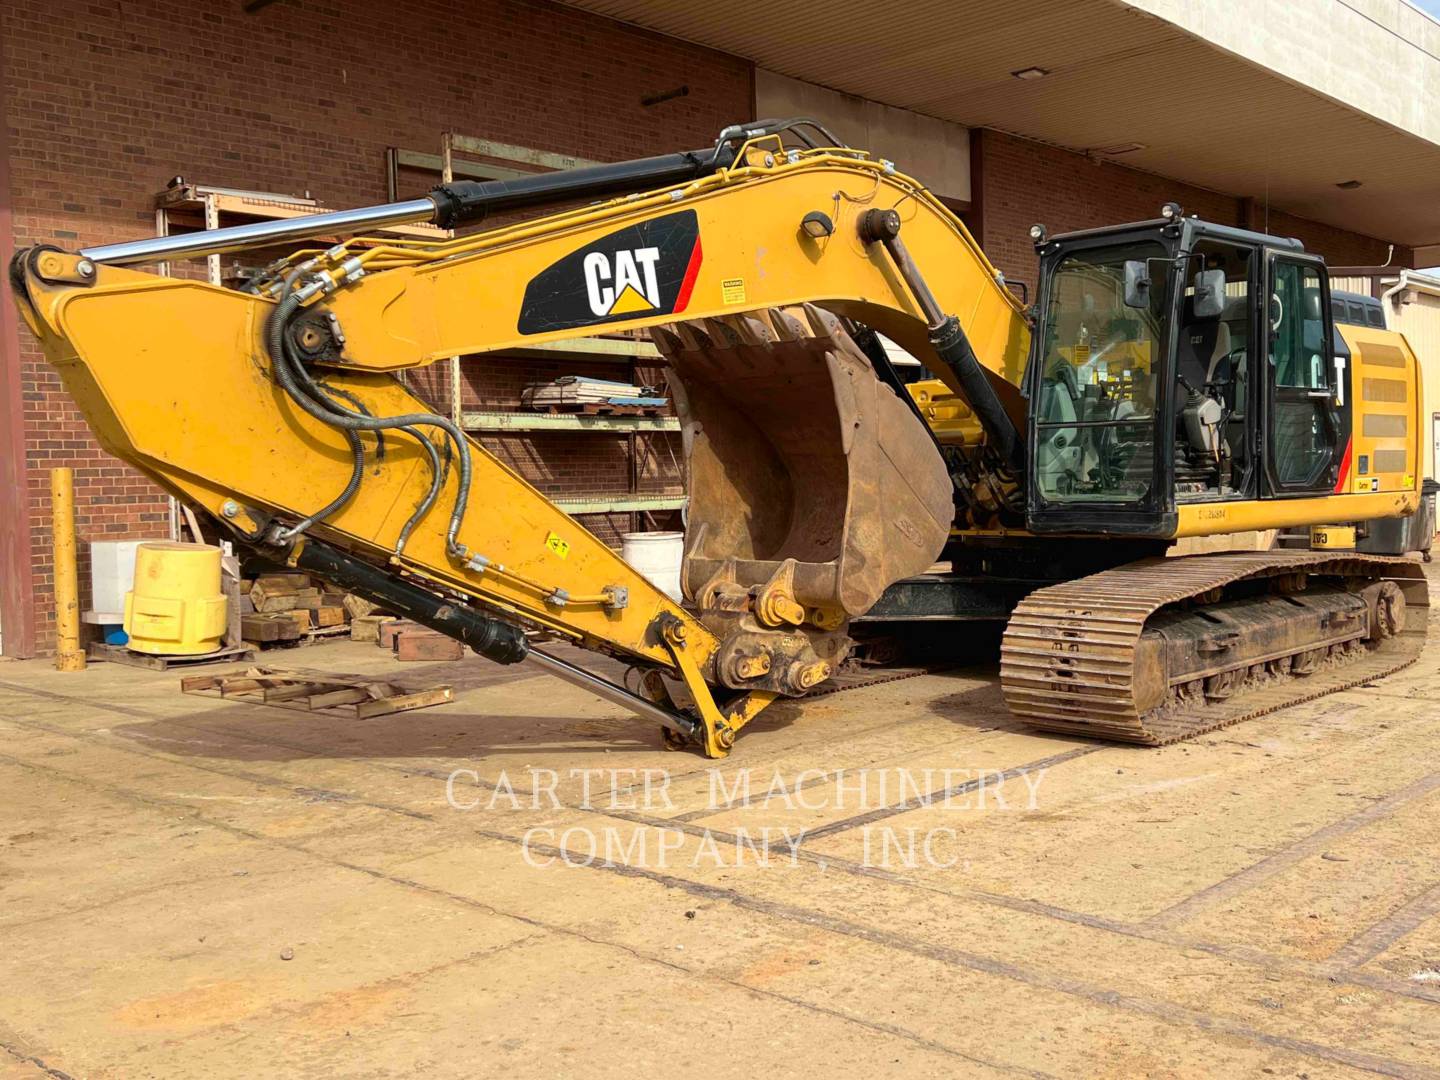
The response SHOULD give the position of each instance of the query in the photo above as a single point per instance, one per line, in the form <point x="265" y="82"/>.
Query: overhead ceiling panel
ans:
<point x="1117" y="77"/>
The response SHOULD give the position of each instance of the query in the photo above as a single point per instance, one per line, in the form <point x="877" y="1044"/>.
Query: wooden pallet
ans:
<point x="357" y="697"/>
<point x="119" y="654"/>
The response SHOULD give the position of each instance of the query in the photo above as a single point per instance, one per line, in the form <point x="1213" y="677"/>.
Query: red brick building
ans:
<point x="103" y="102"/>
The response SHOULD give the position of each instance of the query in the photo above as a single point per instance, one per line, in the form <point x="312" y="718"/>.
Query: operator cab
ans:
<point x="1177" y="361"/>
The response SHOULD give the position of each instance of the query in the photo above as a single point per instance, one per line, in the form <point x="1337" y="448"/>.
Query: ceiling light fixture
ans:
<point x="1031" y="73"/>
<point x="1119" y="148"/>
<point x="1348" y="185"/>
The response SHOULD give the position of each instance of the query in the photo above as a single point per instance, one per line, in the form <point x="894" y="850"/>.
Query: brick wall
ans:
<point x="105" y="101"/>
<point x="1339" y="246"/>
<point x="1023" y="182"/>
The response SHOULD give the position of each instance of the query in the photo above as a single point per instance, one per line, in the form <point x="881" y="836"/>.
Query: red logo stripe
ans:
<point x="691" y="273"/>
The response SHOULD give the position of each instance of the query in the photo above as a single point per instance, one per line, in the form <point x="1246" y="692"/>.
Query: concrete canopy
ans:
<point x="1277" y="100"/>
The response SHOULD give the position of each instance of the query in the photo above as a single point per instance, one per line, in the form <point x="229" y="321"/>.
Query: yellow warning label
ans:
<point x="557" y="545"/>
<point x="732" y="290"/>
<point x="1409" y="480"/>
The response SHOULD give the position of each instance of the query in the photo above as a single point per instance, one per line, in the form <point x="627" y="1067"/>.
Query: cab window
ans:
<point x="1095" y="432"/>
<point x="1297" y="327"/>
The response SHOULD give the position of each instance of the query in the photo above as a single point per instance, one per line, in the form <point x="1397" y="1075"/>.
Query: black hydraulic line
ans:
<point x="795" y="125"/>
<point x="437" y="480"/>
<point x="357" y="473"/>
<point x="285" y="372"/>
<point x="491" y="638"/>
<point x="357" y="449"/>
<point x="321" y="393"/>
<point x="950" y="342"/>
<point x="466" y="201"/>
<point x="334" y="391"/>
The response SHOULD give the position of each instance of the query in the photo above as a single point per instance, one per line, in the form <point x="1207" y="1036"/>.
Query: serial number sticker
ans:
<point x="1375" y="483"/>
<point x="558" y="545"/>
<point x="732" y="290"/>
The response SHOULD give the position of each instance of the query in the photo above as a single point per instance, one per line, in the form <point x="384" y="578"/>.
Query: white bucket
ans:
<point x="657" y="556"/>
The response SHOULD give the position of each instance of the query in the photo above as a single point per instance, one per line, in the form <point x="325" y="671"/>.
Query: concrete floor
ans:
<point x="191" y="887"/>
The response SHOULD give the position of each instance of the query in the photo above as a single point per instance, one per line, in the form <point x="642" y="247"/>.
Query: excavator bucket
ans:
<point x="806" y="471"/>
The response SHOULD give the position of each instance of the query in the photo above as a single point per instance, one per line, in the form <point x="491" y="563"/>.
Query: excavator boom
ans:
<point x="761" y="271"/>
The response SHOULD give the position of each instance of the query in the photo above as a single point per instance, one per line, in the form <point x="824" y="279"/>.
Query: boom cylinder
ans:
<point x="459" y="203"/>
<point x="467" y="201"/>
<point x="491" y="638"/>
<point x="949" y="340"/>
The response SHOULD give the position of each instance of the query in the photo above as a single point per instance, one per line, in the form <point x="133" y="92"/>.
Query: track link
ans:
<point x="1068" y="660"/>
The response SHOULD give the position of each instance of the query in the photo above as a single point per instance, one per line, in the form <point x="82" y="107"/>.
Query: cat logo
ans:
<point x="622" y="283"/>
<point x="642" y="270"/>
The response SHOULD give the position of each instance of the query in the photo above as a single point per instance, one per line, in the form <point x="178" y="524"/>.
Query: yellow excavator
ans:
<point x="1102" y="469"/>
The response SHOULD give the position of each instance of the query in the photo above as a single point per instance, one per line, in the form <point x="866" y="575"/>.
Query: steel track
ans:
<point x="1067" y="661"/>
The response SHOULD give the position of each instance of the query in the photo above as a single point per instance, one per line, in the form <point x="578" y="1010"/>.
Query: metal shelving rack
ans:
<point x="627" y="351"/>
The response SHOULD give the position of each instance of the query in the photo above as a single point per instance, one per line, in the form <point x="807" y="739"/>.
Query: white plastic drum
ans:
<point x="657" y="555"/>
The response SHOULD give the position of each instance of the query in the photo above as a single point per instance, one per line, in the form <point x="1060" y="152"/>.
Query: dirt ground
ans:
<point x="522" y="883"/>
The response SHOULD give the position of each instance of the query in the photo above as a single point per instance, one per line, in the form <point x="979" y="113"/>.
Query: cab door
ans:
<point x="1302" y="438"/>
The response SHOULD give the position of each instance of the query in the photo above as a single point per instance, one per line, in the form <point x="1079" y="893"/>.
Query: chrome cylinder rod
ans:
<point x="262" y="233"/>
<point x="617" y="695"/>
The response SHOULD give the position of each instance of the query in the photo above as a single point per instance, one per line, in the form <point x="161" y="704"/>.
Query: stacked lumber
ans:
<point x="577" y="393"/>
<point x="278" y="609"/>
<point x="292" y="609"/>
<point x="410" y="641"/>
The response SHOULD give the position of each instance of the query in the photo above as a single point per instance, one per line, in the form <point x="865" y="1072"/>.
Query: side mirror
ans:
<point x="1137" y="283"/>
<point x="1209" y="293"/>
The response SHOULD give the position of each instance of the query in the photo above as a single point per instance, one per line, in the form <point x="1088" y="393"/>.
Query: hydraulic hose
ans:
<point x="324" y="394"/>
<point x="335" y="415"/>
<point x="357" y="449"/>
<point x="352" y="486"/>
<point x="437" y="478"/>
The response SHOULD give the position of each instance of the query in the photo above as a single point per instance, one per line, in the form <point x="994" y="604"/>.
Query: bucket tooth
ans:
<point x="787" y="327"/>
<point x="748" y="330"/>
<point x="666" y="340"/>
<point x="722" y="333"/>
<point x="823" y="324"/>
<point x="692" y="337"/>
